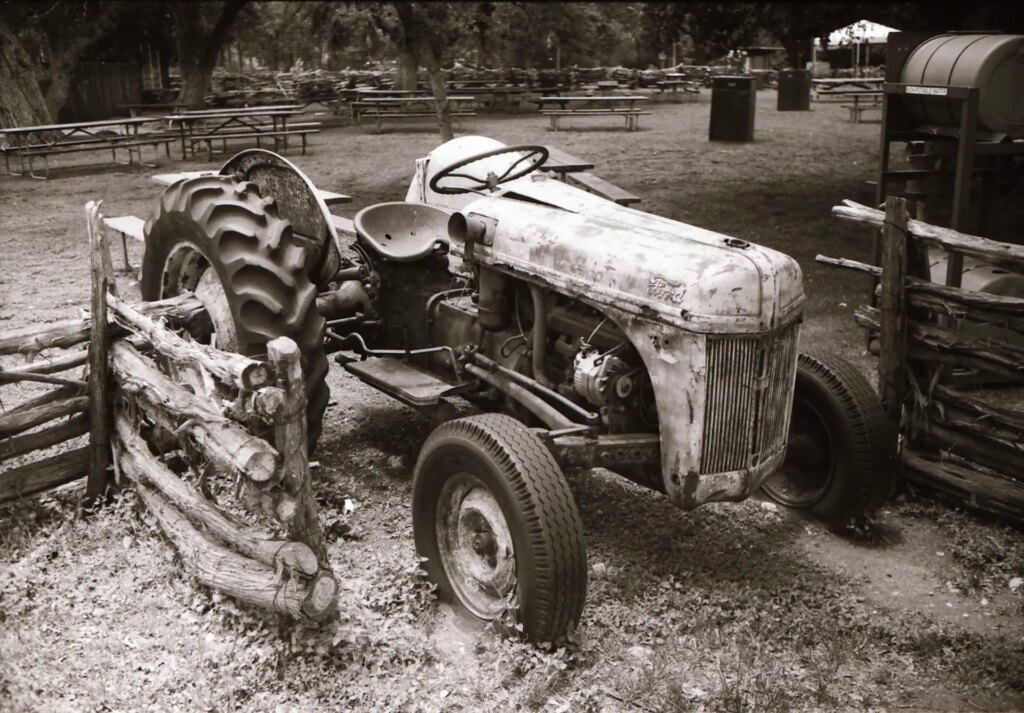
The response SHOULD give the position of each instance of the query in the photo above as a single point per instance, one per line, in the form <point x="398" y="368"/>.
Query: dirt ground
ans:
<point x="734" y="607"/>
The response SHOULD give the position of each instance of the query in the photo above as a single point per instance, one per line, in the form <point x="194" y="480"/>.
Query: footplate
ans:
<point x="403" y="381"/>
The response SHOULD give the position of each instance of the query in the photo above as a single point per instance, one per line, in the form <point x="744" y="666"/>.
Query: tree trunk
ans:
<point x="196" y="82"/>
<point x="21" y="102"/>
<point x="62" y="70"/>
<point x="199" y="48"/>
<point x="408" y="65"/>
<point x="440" y="91"/>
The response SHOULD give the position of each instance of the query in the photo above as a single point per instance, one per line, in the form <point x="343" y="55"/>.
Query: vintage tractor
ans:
<point x="577" y="332"/>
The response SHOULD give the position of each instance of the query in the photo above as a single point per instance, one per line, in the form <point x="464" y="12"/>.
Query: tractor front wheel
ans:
<point x="498" y="527"/>
<point x="841" y="456"/>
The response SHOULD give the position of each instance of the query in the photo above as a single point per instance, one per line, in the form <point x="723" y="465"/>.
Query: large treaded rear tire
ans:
<point x="852" y="442"/>
<point x="522" y="475"/>
<point x="260" y="268"/>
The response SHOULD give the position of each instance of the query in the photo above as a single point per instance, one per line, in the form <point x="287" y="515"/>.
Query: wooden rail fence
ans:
<point x="241" y="423"/>
<point x="960" y="438"/>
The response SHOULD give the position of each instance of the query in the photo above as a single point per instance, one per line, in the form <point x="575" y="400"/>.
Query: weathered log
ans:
<point x="237" y="576"/>
<point x="848" y="264"/>
<point x="47" y="366"/>
<point x="995" y="455"/>
<point x="943" y="306"/>
<point x="232" y="369"/>
<point x="983" y="411"/>
<point x="290" y="438"/>
<point x="99" y="368"/>
<point x="992" y="251"/>
<point x="933" y="343"/>
<point x="180" y="311"/>
<point x="267" y="402"/>
<point x="975" y="489"/>
<point x="46" y="398"/>
<point x="184" y="310"/>
<point x="139" y="464"/>
<point x="7" y="376"/>
<point x="274" y="503"/>
<point x="44" y="474"/>
<point x="37" y="440"/>
<point x="892" y="311"/>
<point x="63" y="334"/>
<point x="21" y="419"/>
<point x="980" y="300"/>
<point x="227" y="444"/>
<point x="959" y="420"/>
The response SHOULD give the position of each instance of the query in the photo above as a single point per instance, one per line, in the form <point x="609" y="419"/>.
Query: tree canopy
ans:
<point x="42" y="42"/>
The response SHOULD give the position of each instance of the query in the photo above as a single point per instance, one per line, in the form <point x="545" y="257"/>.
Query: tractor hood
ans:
<point x="607" y="254"/>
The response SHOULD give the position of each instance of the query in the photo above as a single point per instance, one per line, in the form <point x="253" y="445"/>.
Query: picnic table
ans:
<point x="30" y="142"/>
<point x="494" y="91"/>
<point x="863" y="100"/>
<point x="163" y="108"/>
<point x="405" y="106"/>
<point x="843" y="86"/>
<point x="605" y="105"/>
<point x="610" y="84"/>
<point x="675" y="85"/>
<point x="209" y="125"/>
<point x="574" y="171"/>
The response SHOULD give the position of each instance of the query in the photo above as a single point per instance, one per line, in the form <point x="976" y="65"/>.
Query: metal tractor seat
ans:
<point x="403" y="232"/>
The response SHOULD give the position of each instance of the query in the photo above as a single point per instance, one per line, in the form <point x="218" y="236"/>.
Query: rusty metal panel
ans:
<point x="777" y="397"/>
<point x="749" y="398"/>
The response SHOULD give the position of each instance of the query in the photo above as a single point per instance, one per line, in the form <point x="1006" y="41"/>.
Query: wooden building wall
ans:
<point x="97" y="89"/>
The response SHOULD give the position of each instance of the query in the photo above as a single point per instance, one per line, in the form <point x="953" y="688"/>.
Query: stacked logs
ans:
<point x="62" y="413"/>
<point x="963" y="441"/>
<point x="139" y="416"/>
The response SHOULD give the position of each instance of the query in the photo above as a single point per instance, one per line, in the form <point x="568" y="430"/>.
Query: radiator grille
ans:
<point x="749" y="397"/>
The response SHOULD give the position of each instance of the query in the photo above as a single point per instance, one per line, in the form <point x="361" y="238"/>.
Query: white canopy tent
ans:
<point x="858" y="36"/>
<point x="860" y="32"/>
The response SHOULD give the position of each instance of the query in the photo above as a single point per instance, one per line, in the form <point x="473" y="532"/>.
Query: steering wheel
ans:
<point x="535" y="157"/>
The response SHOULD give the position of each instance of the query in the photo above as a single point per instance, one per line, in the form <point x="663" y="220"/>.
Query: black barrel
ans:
<point x="794" y="90"/>
<point x="732" y="109"/>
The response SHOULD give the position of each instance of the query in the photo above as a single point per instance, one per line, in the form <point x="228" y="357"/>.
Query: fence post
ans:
<point x="290" y="440"/>
<point x="99" y="405"/>
<point x="892" y="344"/>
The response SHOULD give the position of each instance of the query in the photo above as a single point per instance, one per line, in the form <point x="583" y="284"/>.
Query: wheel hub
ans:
<point x="806" y="474"/>
<point x="475" y="546"/>
<point x="187" y="270"/>
<point x="210" y="292"/>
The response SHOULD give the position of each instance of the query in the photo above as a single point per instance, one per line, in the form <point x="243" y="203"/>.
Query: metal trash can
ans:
<point x="732" y="109"/>
<point x="794" y="90"/>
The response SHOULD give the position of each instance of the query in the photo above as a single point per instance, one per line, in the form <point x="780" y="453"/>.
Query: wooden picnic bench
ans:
<point x="624" y="106"/>
<point x="862" y="100"/>
<point x="600" y="187"/>
<point x="383" y="109"/>
<point x="260" y="132"/>
<point x="573" y="171"/>
<point x="209" y="125"/>
<point x="561" y="162"/>
<point x="856" y="112"/>
<point x="161" y="108"/>
<point x="31" y="142"/>
<point x="677" y="87"/>
<point x="826" y="88"/>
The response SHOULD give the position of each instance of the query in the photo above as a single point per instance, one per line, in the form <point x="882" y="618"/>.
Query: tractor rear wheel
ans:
<point x="219" y="238"/>
<point x="841" y="457"/>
